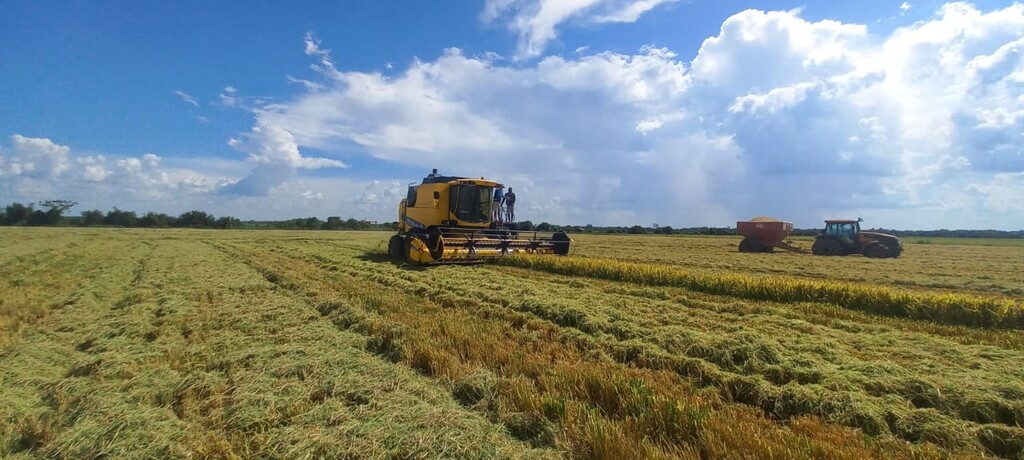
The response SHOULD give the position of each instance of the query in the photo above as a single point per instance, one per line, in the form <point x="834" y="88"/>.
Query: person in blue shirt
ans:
<point x="499" y="198"/>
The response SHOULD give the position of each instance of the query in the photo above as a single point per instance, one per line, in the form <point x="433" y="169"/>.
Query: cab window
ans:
<point x="470" y="203"/>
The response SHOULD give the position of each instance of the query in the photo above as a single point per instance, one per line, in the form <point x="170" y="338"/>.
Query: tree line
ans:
<point x="52" y="213"/>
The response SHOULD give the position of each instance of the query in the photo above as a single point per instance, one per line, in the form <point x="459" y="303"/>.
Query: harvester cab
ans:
<point x="843" y="237"/>
<point x="447" y="219"/>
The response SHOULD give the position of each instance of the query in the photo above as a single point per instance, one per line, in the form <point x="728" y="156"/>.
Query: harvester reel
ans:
<point x="435" y="242"/>
<point x="416" y="249"/>
<point x="828" y="247"/>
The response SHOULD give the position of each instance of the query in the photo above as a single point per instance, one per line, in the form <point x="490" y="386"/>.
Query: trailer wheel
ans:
<point x="751" y="245"/>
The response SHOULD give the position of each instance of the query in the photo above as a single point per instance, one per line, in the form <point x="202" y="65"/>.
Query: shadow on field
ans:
<point x="379" y="258"/>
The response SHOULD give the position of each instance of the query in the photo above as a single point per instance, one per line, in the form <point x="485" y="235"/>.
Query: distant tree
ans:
<point x="228" y="222"/>
<point x="311" y="223"/>
<point x="156" y="220"/>
<point x="351" y="224"/>
<point x="666" y="230"/>
<point x="53" y="213"/>
<point x="636" y="230"/>
<point x="196" y="219"/>
<point x="38" y="218"/>
<point x="55" y="209"/>
<point x="544" y="227"/>
<point x="119" y="218"/>
<point x="92" y="217"/>
<point x="333" y="223"/>
<point x="17" y="214"/>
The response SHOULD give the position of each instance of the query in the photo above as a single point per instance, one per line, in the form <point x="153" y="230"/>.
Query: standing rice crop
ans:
<point x="954" y="309"/>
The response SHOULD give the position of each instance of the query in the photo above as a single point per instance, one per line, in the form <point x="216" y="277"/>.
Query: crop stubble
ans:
<point x="300" y="344"/>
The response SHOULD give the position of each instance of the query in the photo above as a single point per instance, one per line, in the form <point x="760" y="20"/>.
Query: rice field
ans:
<point x="260" y="344"/>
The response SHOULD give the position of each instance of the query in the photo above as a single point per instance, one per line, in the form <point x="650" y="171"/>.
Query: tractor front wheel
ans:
<point x="877" y="251"/>
<point x="827" y="247"/>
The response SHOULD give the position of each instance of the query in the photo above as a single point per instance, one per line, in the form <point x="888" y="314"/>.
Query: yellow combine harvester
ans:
<point x="447" y="219"/>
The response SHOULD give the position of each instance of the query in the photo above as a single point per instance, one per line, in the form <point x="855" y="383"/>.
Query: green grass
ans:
<point x="179" y="343"/>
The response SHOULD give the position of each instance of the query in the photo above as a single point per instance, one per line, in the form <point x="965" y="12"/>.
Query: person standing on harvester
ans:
<point x="510" y="206"/>
<point x="499" y="198"/>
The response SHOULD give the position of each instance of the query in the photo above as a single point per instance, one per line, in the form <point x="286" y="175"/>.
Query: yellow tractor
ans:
<point x="447" y="219"/>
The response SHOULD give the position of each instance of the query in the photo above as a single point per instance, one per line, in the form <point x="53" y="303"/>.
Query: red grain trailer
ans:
<point x="764" y="234"/>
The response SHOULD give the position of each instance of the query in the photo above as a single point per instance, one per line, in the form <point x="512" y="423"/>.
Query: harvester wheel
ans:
<point x="396" y="246"/>
<point x="877" y="251"/>
<point x="827" y="247"/>
<point x="751" y="245"/>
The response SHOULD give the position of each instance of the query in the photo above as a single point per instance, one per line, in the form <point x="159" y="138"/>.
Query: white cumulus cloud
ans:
<point x="774" y="114"/>
<point x="36" y="157"/>
<point x="535" y="22"/>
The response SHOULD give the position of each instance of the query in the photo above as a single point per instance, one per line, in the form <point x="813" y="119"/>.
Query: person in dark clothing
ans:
<point x="510" y="206"/>
<point x="499" y="198"/>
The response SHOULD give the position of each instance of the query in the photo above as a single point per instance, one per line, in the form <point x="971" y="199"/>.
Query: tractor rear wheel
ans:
<point x="751" y="245"/>
<point x="396" y="246"/>
<point x="877" y="251"/>
<point x="828" y="247"/>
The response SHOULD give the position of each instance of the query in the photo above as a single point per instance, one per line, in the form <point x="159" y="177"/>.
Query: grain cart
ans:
<point x="447" y="219"/>
<point x="839" y="238"/>
<point x="764" y="234"/>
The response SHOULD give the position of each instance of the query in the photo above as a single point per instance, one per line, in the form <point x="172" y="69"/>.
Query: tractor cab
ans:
<point x="846" y="231"/>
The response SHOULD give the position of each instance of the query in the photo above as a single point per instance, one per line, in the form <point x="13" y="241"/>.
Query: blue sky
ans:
<point x="683" y="113"/>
